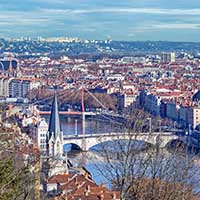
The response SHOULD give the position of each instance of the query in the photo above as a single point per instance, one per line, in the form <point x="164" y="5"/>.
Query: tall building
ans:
<point x="168" y="57"/>
<point x="15" y="88"/>
<point x="55" y="134"/>
<point x="4" y="86"/>
<point x="25" y="87"/>
<point x="42" y="129"/>
<point x="19" y="88"/>
<point x="152" y="104"/>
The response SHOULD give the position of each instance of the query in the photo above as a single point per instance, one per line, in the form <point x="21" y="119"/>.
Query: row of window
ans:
<point x="43" y="130"/>
<point x="43" y="135"/>
<point x="42" y="146"/>
<point x="42" y="141"/>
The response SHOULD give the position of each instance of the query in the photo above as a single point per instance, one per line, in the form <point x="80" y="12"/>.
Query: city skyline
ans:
<point x="97" y="19"/>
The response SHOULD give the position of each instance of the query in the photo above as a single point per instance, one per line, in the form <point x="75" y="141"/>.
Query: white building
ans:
<point x="4" y="86"/>
<point x="129" y="99"/>
<point x="115" y="77"/>
<point x="35" y="85"/>
<point x="168" y="57"/>
<point x="42" y="130"/>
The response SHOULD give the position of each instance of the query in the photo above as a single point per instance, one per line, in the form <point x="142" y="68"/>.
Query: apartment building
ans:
<point x="193" y="116"/>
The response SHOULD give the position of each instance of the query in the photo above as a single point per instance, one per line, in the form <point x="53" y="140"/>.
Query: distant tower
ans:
<point x="10" y="68"/>
<point x="18" y="72"/>
<point x="168" y="57"/>
<point x="55" y="134"/>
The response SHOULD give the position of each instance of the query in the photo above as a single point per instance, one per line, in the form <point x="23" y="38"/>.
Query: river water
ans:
<point x="74" y="125"/>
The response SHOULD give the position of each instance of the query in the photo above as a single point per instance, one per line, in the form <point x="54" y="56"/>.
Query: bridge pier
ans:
<point x="84" y="145"/>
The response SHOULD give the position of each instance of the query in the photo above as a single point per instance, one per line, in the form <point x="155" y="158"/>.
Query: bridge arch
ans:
<point x="71" y="146"/>
<point x="113" y="144"/>
<point x="85" y="142"/>
<point x="174" y="142"/>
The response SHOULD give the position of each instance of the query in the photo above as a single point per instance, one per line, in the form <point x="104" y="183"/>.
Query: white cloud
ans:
<point x="132" y="10"/>
<point x="177" y="26"/>
<point x="116" y="21"/>
<point x="157" y="26"/>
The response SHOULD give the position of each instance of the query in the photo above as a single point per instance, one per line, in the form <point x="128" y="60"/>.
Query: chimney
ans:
<point x="76" y="180"/>
<point x="114" y="196"/>
<point x="102" y="195"/>
<point x="87" y="190"/>
<point x="86" y="175"/>
<point x="86" y="193"/>
<point x="103" y="185"/>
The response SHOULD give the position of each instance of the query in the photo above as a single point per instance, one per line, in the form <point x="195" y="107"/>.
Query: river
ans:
<point x="74" y="125"/>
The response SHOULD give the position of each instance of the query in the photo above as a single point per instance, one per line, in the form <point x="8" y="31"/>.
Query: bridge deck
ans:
<point x="86" y="141"/>
<point x="67" y="113"/>
<point x="67" y="137"/>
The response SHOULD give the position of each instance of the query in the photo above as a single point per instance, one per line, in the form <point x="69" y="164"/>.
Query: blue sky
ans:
<point x="174" y="20"/>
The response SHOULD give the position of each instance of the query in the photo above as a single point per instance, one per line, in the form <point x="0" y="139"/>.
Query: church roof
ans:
<point x="196" y="96"/>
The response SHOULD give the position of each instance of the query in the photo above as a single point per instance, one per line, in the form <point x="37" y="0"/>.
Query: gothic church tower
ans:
<point x="55" y="134"/>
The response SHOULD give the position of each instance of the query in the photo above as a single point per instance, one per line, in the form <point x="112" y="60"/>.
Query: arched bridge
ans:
<point x="85" y="142"/>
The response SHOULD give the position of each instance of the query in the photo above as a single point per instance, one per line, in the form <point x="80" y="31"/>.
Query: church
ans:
<point x="55" y="134"/>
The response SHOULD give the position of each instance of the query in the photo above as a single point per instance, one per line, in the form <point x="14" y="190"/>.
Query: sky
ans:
<point x="132" y="20"/>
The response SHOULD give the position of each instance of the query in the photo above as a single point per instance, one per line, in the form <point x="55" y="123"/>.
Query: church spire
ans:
<point x="55" y="134"/>
<point x="54" y="124"/>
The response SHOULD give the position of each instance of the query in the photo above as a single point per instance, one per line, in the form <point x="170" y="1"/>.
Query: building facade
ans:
<point x="19" y="88"/>
<point x="152" y="104"/>
<point x="42" y="129"/>
<point x="193" y="116"/>
<point x="14" y="87"/>
<point x="4" y="86"/>
<point x="168" y="57"/>
<point x="172" y="111"/>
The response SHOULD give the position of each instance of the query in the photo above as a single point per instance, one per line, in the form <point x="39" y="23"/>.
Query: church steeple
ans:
<point x="55" y="134"/>
<point x="54" y="123"/>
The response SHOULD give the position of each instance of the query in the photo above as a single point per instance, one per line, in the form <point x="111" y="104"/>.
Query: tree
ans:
<point x="147" y="172"/>
<point x="15" y="184"/>
<point x="17" y="178"/>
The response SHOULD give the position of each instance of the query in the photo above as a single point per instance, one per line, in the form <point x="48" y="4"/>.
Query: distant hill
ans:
<point x="36" y="48"/>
